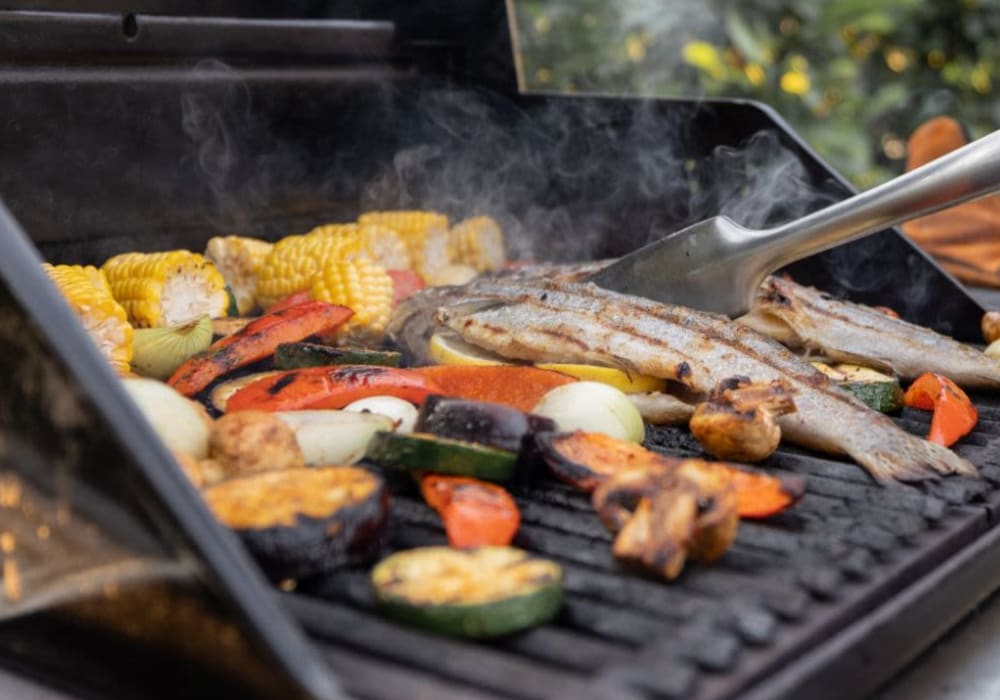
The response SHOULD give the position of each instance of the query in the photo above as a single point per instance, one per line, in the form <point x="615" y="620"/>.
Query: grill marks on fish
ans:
<point x="695" y="349"/>
<point x="807" y="318"/>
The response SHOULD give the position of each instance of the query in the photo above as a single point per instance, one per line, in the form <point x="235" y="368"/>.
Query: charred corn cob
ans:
<point x="239" y="258"/>
<point x="166" y="289"/>
<point x="424" y="232"/>
<point x="296" y="260"/>
<point x="478" y="242"/>
<point x="360" y="285"/>
<point x="89" y="295"/>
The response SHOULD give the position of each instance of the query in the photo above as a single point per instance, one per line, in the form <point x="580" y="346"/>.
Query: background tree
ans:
<point x="854" y="76"/>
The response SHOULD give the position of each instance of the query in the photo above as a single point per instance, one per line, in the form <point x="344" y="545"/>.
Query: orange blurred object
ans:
<point x="965" y="239"/>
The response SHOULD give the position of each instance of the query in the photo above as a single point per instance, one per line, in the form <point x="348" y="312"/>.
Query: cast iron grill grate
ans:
<point x="786" y="584"/>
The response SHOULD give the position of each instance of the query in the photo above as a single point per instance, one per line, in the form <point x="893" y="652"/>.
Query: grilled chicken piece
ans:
<point x="739" y="421"/>
<point x="804" y="317"/>
<point x="569" y="322"/>
<point x="663" y="518"/>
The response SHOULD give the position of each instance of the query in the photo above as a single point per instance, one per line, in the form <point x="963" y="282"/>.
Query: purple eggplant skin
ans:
<point x="490" y="424"/>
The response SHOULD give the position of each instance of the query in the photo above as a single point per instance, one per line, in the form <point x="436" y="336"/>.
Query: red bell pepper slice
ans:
<point x="330" y="387"/>
<point x="404" y="283"/>
<point x="475" y="513"/>
<point x="954" y="413"/>
<point x="257" y="340"/>
<point x="291" y="300"/>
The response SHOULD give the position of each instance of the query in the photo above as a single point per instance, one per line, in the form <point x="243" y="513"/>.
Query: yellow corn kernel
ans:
<point x="478" y="242"/>
<point x="381" y="243"/>
<point x="360" y="285"/>
<point x="424" y="232"/>
<point x="295" y="261"/>
<point x="166" y="289"/>
<point x="88" y="293"/>
<point x="239" y="258"/>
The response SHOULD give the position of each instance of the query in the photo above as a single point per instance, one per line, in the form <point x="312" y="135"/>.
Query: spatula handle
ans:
<point x="967" y="173"/>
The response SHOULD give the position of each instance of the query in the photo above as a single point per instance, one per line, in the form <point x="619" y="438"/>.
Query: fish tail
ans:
<point x="919" y="461"/>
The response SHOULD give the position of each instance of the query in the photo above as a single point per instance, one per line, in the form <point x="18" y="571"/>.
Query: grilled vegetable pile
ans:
<point x="320" y="410"/>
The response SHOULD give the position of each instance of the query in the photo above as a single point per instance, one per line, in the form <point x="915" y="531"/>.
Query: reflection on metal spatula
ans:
<point x="717" y="265"/>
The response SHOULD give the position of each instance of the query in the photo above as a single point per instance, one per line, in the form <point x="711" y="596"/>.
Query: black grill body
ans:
<point x="138" y="132"/>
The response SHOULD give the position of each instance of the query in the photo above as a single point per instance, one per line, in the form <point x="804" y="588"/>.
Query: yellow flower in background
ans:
<point x="795" y="82"/>
<point x="754" y="73"/>
<point x="703" y="55"/>
<point x="635" y="48"/>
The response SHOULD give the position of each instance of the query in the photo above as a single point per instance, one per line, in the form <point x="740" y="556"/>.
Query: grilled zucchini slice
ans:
<point x="299" y="355"/>
<point x="876" y="390"/>
<point x="476" y="593"/>
<point x="423" y="452"/>
<point x="301" y="522"/>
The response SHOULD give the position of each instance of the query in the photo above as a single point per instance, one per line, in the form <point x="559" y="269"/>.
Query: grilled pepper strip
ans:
<point x="292" y="300"/>
<point x="475" y="513"/>
<point x="954" y="413"/>
<point x="257" y="341"/>
<point x="588" y="459"/>
<point x="330" y="387"/>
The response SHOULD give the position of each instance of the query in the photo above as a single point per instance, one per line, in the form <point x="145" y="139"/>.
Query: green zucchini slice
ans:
<point x="302" y="522"/>
<point x="424" y="452"/>
<point x="877" y="390"/>
<point x="300" y="355"/>
<point x="476" y="593"/>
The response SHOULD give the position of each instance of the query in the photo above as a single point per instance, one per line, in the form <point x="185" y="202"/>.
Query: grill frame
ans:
<point x="950" y="585"/>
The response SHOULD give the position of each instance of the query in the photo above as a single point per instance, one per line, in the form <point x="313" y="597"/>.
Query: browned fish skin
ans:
<point x="805" y="317"/>
<point x="582" y="323"/>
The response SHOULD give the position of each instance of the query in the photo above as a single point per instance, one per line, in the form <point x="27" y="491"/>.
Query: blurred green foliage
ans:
<point x="855" y="77"/>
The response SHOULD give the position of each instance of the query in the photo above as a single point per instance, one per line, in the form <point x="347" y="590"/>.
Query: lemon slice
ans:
<point x="450" y="349"/>
<point x="636" y="384"/>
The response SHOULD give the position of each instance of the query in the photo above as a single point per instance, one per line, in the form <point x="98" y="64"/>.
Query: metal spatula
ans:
<point x="717" y="265"/>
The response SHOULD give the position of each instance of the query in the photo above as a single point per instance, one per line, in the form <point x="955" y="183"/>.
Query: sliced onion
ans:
<point x="593" y="407"/>
<point x="329" y="437"/>
<point x="182" y="424"/>
<point x="403" y="413"/>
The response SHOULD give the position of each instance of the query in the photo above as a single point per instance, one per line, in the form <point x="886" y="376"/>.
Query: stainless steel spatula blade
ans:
<point x="717" y="265"/>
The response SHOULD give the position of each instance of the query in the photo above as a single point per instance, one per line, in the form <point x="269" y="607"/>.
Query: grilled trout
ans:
<point x="804" y="317"/>
<point x="553" y="321"/>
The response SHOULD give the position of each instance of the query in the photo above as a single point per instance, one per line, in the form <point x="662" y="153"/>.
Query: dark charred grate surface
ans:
<point x="787" y="583"/>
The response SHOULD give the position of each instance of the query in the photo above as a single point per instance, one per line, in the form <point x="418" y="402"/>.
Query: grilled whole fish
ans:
<point x="580" y="322"/>
<point x="804" y="317"/>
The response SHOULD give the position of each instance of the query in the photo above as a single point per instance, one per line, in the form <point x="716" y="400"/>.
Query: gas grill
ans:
<point x="139" y="128"/>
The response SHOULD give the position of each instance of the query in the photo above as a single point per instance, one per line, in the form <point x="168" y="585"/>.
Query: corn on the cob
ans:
<point x="239" y="258"/>
<point x="424" y="232"/>
<point x="362" y="286"/>
<point x="478" y="242"/>
<point x="381" y="243"/>
<point x="296" y="260"/>
<point x="166" y="289"/>
<point x="87" y="291"/>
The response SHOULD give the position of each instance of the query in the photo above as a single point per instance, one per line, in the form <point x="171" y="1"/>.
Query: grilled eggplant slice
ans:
<point x="476" y="593"/>
<point x="586" y="459"/>
<point x="430" y="453"/>
<point x="299" y="355"/>
<point x="302" y="522"/>
<point x="491" y="424"/>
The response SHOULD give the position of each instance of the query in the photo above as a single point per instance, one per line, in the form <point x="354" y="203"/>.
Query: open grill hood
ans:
<point x="131" y="128"/>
